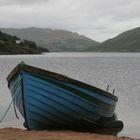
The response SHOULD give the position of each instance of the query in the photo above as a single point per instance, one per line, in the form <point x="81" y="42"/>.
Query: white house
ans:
<point x="18" y="41"/>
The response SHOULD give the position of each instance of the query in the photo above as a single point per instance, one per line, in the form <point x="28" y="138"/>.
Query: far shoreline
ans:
<point x="78" y="55"/>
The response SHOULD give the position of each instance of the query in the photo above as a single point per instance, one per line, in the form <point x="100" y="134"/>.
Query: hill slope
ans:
<point x="128" y="41"/>
<point x="54" y="40"/>
<point x="13" y="45"/>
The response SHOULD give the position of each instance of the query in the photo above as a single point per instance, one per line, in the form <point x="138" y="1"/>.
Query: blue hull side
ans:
<point x="48" y="103"/>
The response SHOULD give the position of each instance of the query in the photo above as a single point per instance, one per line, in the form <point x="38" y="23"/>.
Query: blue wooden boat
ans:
<point x="48" y="100"/>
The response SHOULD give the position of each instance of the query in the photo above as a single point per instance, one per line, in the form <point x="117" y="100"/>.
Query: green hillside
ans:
<point x="13" y="45"/>
<point x="66" y="41"/>
<point x="54" y="40"/>
<point x="128" y="41"/>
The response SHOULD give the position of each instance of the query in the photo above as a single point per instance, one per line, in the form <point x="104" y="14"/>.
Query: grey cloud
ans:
<point x="20" y="2"/>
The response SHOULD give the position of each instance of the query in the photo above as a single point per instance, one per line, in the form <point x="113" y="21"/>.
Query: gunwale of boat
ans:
<point x="45" y="73"/>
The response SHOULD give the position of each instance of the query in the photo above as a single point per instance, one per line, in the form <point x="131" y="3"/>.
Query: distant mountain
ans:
<point x="54" y="40"/>
<point x="66" y="41"/>
<point x="128" y="41"/>
<point x="14" y="45"/>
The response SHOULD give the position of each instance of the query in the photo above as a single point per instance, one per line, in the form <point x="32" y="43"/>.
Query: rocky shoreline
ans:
<point x="21" y="134"/>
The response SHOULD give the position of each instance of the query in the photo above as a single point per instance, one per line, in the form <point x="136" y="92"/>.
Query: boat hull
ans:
<point x="52" y="103"/>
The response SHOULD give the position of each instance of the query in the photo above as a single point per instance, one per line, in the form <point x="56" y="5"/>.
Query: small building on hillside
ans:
<point x="18" y="41"/>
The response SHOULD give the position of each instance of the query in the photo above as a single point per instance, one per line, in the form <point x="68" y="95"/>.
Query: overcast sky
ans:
<point x="97" y="19"/>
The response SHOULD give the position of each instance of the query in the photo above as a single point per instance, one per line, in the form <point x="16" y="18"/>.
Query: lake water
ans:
<point x="120" y="70"/>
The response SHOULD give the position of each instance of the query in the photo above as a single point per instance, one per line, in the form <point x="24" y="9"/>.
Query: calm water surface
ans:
<point x="120" y="70"/>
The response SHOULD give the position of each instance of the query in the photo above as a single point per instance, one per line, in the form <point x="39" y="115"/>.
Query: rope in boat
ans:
<point x="8" y="108"/>
<point x="15" y="111"/>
